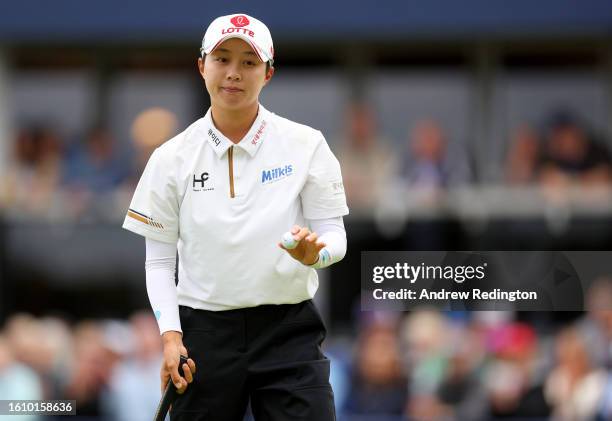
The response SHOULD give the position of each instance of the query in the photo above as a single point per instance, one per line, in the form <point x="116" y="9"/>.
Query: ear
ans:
<point x="269" y="75"/>
<point x="201" y="66"/>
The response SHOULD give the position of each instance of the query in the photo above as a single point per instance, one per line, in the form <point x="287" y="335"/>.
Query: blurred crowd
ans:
<point x="417" y="366"/>
<point x="92" y="176"/>
<point x="561" y="152"/>
<point x="568" y="154"/>
<point x="111" y="368"/>
<point x="428" y="365"/>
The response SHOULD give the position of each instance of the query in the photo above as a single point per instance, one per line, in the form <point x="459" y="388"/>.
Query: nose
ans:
<point x="233" y="74"/>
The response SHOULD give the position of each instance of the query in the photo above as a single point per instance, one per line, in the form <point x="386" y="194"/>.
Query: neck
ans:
<point x="234" y="124"/>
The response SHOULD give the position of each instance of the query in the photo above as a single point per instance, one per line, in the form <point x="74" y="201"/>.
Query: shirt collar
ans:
<point x="218" y="142"/>
<point x="250" y="142"/>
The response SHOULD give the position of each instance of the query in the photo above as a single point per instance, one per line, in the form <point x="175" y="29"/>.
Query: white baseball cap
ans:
<point x="242" y="26"/>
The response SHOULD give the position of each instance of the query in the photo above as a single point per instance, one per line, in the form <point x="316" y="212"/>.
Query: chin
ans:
<point x="238" y="104"/>
<point x="234" y="106"/>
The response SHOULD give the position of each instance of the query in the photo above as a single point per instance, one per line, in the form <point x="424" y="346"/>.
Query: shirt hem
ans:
<point x="202" y="305"/>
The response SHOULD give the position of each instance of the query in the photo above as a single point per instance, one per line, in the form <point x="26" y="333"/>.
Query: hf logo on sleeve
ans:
<point x="201" y="183"/>
<point x="272" y="175"/>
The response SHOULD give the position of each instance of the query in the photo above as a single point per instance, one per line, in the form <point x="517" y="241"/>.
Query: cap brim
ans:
<point x="242" y="37"/>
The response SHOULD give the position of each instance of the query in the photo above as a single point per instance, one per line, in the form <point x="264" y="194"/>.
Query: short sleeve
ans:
<point x="323" y="194"/>
<point x="154" y="209"/>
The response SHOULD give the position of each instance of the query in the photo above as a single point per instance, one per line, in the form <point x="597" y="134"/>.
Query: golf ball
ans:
<point x="288" y="241"/>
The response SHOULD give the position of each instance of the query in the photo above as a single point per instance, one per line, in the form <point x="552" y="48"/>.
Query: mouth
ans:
<point x="231" y="90"/>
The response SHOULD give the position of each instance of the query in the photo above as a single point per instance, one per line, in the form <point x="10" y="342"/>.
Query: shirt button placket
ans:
<point x="238" y="171"/>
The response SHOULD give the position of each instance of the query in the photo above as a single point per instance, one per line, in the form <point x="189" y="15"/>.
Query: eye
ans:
<point x="221" y="59"/>
<point x="249" y="63"/>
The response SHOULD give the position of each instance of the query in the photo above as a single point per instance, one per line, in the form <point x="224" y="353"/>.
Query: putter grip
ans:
<point x="169" y="395"/>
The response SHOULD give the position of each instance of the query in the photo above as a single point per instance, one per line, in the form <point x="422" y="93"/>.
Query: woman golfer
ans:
<point x="223" y="192"/>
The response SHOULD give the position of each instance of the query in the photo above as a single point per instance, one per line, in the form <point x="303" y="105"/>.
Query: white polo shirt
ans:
<point x="228" y="205"/>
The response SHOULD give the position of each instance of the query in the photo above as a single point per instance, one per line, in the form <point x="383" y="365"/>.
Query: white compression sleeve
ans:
<point x="331" y="232"/>
<point x="160" y="265"/>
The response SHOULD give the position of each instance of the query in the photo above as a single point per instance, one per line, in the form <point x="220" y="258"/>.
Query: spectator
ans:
<point x="44" y="345"/>
<point x="95" y="165"/>
<point x="427" y="164"/>
<point x="523" y="157"/>
<point x="461" y="395"/>
<point x="575" y="387"/>
<point x="25" y="335"/>
<point x="93" y="170"/>
<point x="514" y="389"/>
<point x="424" y="337"/>
<point x="91" y="370"/>
<point x="378" y="385"/>
<point x="17" y="381"/>
<point x="597" y="323"/>
<point x="55" y="344"/>
<point x="150" y="129"/>
<point x="367" y="163"/>
<point x="32" y="181"/>
<point x="427" y="170"/>
<point x="597" y="328"/>
<point x="134" y="384"/>
<point x="571" y="156"/>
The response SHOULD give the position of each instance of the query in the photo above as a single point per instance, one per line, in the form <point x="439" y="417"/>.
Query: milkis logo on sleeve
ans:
<point x="239" y="23"/>
<point x="275" y="174"/>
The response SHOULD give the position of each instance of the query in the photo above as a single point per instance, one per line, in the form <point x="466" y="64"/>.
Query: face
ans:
<point x="234" y="75"/>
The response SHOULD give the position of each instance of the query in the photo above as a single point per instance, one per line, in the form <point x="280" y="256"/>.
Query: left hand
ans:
<point x="307" y="250"/>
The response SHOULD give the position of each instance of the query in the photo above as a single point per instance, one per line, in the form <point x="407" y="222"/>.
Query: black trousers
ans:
<point x="270" y="355"/>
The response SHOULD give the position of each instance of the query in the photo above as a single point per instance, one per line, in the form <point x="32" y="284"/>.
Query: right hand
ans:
<point x="308" y="248"/>
<point x="173" y="349"/>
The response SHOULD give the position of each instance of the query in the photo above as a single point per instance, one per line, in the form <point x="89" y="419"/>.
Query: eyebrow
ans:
<point x="225" y="50"/>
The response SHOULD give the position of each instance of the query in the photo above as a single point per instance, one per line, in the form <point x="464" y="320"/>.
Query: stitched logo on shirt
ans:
<point x="213" y="136"/>
<point x="275" y="174"/>
<point x="338" y="187"/>
<point x="199" y="182"/>
<point x="259" y="133"/>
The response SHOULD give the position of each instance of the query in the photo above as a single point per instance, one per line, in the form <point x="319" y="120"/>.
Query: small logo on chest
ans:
<point x="201" y="183"/>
